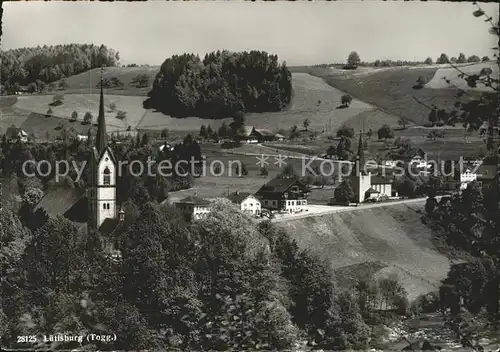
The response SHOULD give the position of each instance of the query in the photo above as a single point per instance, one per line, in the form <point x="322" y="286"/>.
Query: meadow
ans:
<point x="391" y="89"/>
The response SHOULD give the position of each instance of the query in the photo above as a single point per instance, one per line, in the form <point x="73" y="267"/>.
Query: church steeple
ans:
<point x="101" y="137"/>
<point x="360" y="157"/>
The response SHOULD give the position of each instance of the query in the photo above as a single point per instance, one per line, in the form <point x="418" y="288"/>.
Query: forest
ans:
<point x="222" y="84"/>
<point x="45" y="64"/>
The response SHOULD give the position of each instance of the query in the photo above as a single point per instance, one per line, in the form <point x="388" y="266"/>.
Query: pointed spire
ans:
<point x="360" y="158"/>
<point x="101" y="137"/>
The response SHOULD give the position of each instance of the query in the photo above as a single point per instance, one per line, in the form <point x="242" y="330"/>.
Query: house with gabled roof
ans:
<point x="194" y="207"/>
<point x="246" y="201"/>
<point x="284" y="194"/>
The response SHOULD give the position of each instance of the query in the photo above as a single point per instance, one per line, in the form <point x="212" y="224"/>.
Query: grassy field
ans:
<point x="391" y="89"/>
<point x="86" y="82"/>
<point x="313" y="99"/>
<point x="450" y="73"/>
<point x="391" y="239"/>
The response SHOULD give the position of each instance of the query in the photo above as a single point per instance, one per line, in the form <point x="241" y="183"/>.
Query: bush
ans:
<point x="428" y="303"/>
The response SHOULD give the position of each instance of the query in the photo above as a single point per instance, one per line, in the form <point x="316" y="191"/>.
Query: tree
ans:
<point x="57" y="100"/>
<point x="112" y="107"/>
<point x="485" y="58"/>
<point x="210" y="132"/>
<point x="403" y="121"/>
<point x="344" y="193"/>
<point x="461" y="59"/>
<point x="306" y="124"/>
<point x="346" y="100"/>
<point x="353" y="60"/>
<point x="433" y="116"/>
<point x="385" y="132"/>
<point x="74" y="116"/>
<point x="443" y="59"/>
<point x="287" y="172"/>
<point x="49" y="112"/>
<point x="473" y="58"/>
<point x="63" y="84"/>
<point x="141" y="80"/>
<point x="428" y="61"/>
<point x="345" y="131"/>
<point x="434" y="134"/>
<point x="294" y="132"/>
<point x="121" y="115"/>
<point x="87" y="118"/>
<point x="203" y="131"/>
<point x="453" y="60"/>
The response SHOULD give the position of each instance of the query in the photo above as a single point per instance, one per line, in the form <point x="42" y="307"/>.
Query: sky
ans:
<point x="300" y="33"/>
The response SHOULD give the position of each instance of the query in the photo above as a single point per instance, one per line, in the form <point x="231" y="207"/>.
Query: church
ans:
<point x="96" y="206"/>
<point x="365" y="185"/>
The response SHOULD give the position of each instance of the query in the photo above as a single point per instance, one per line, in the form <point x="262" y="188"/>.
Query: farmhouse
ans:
<point x="284" y="194"/>
<point x="413" y="156"/>
<point x="14" y="134"/>
<point x="247" y="202"/>
<point x="251" y="134"/>
<point x="365" y="185"/>
<point x="465" y="174"/>
<point x="194" y="207"/>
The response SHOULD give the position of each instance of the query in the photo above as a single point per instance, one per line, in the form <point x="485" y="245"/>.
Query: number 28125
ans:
<point x="26" y="339"/>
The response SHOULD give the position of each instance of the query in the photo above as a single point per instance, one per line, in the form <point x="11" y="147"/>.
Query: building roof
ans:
<point x="371" y="191"/>
<point x="408" y="153"/>
<point x="265" y="132"/>
<point x="247" y="131"/>
<point x="59" y="200"/>
<point x="195" y="200"/>
<point x="238" y="197"/>
<point x="280" y="185"/>
<point x="380" y="180"/>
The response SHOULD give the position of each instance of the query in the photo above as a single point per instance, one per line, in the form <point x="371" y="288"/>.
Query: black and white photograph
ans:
<point x="250" y="176"/>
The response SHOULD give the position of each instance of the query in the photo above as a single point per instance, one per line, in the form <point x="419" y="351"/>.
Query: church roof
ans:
<point x="59" y="200"/>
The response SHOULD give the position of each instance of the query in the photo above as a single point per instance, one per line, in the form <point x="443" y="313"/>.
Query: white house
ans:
<point x="194" y="207"/>
<point x="466" y="175"/>
<point x="247" y="202"/>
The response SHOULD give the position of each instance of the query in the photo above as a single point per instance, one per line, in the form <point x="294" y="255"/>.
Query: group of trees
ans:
<point x="444" y="59"/>
<point x="221" y="85"/>
<point x="70" y="148"/>
<point x="38" y="66"/>
<point x="221" y="283"/>
<point x="353" y="61"/>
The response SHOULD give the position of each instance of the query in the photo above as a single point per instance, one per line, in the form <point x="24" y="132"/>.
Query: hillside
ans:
<point x="392" y="89"/>
<point x="86" y="82"/>
<point x="377" y="241"/>
<point x="313" y="99"/>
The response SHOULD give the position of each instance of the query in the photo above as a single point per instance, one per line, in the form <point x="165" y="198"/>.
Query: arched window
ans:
<point x="107" y="176"/>
<point x="104" y="206"/>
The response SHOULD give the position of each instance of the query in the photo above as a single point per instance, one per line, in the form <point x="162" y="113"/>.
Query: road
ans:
<point x="318" y="210"/>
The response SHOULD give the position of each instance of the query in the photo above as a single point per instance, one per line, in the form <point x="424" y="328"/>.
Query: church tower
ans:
<point x="101" y="192"/>
<point x="361" y="180"/>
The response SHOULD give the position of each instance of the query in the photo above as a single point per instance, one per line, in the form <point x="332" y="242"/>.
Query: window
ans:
<point x="107" y="176"/>
<point x="104" y="206"/>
